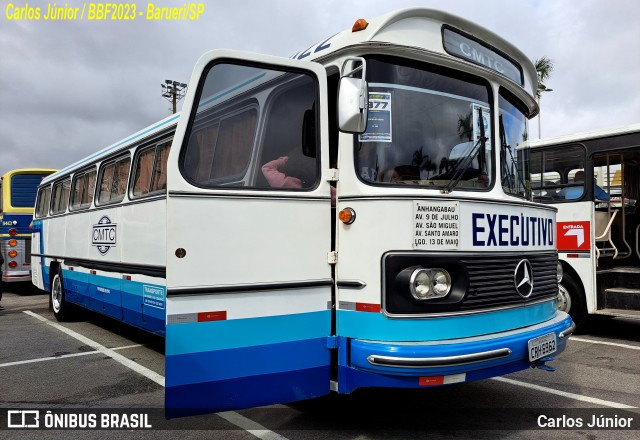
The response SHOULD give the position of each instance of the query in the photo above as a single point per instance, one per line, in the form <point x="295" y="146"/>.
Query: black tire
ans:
<point x="576" y="303"/>
<point x="62" y="310"/>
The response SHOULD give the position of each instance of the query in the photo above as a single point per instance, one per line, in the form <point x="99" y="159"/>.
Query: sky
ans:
<point x="69" y="88"/>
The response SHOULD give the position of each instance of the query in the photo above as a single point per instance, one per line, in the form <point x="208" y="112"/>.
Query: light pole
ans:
<point x="173" y="91"/>
<point x="541" y="88"/>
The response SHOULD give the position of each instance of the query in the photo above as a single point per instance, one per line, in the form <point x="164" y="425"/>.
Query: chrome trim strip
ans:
<point x="437" y="362"/>
<point x="258" y="287"/>
<point x="568" y="332"/>
<point x="351" y="284"/>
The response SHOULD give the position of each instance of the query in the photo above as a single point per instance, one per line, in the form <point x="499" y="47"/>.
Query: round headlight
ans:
<point x="560" y="272"/>
<point x="441" y="283"/>
<point x="420" y="284"/>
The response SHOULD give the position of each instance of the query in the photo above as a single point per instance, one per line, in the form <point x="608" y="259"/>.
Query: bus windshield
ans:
<point x="427" y="127"/>
<point x="514" y="156"/>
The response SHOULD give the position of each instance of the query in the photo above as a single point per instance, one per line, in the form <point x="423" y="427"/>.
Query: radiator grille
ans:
<point x="491" y="280"/>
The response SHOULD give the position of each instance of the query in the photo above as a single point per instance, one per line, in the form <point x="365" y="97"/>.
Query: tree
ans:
<point x="544" y="67"/>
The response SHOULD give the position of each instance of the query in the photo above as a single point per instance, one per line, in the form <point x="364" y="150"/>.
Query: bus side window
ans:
<point x="113" y="180"/>
<point x="61" y="191"/>
<point x="160" y="168"/>
<point x="144" y="172"/>
<point x="44" y="200"/>
<point x="151" y="170"/>
<point x="83" y="188"/>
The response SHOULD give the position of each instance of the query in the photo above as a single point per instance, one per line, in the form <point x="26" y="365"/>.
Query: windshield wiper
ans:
<point x="462" y="166"/>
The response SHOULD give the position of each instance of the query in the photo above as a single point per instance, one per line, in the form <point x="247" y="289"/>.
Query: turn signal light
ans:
<point x="360" y="25"/>
<point x="347" y="216"/>
<point x="13" y="231"/>
<point x="13" y="242"/>
<point x="13" y="253"/>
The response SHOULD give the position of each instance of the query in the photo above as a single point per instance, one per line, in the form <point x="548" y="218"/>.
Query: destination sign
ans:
<point x="466" y="48"/>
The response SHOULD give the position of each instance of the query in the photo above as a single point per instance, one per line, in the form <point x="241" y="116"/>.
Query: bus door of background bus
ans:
<point x="248" y="234"/>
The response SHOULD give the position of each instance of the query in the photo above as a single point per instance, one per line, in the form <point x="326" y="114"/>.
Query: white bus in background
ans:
<point x="358" y="215"/>
<point x="598" y="232"/>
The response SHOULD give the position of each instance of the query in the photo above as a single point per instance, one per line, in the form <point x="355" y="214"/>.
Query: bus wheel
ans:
<point x="571" y="300"/>
<point x="58" y="304"/>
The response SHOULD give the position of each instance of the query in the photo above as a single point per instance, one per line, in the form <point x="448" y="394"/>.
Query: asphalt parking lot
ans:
<point x="96" y="365"/>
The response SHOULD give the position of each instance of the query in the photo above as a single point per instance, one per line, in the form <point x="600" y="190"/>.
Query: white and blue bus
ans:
<point x="358" y="215"/>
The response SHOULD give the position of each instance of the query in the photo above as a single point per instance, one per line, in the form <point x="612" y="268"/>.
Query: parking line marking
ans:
<point x="146" y="372"/>
<point x="250" y="426"/>
<point x="124" y="347"/>
<point x="63" y="356"/>
<point x="50" y="358"/>
<point x="565" y="394"/>
<point x="233" y="417"/>
<point x="613" y="344"/>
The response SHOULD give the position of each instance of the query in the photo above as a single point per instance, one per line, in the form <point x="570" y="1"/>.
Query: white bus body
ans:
<point x="597" y="239"/>
<point x="433" y="267"/>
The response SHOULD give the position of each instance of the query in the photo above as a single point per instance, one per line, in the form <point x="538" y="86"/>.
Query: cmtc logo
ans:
<point x="104" y="235"/>
<point x="574" y="236"/>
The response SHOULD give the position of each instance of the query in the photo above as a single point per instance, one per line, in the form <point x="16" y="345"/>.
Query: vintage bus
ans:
<point x="17" y="196"/>
<point x="358" y="215"/>
<point x="594" y="180"/>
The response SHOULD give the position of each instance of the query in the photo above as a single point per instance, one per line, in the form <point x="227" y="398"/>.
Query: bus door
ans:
<point x="248" y="235"/>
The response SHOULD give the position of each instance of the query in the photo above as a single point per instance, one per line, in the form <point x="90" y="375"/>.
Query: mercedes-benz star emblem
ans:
<point x="523" y="278"/>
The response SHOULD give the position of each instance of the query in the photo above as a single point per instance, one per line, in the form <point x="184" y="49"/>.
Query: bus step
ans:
<point x="618" y="277"/>
<point x="620" y="313"/>
<point x="622" y="298"/>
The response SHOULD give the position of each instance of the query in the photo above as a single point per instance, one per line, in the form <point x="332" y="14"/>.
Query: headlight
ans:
<point x="427" y="284"/>
<point x="560" y="272"/>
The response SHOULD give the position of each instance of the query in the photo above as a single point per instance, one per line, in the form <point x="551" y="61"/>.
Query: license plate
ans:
<point x="542" y="346"/>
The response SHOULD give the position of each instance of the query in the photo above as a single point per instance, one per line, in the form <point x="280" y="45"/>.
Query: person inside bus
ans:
<point x="575" y="192"/>
<point x="293" y="171"/>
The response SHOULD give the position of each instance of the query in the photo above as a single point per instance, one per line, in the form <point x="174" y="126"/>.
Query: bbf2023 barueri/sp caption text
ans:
<point x="102" y="11"/>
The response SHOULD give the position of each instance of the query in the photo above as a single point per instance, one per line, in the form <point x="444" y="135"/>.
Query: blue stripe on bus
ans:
<point x="111" y="148"/>
<point x="124" y="301"/>
<point x="220" y="365"/>
<point x="375" y="326"/>
<point x="246" y="392"/>
<point x="188" y="338"/>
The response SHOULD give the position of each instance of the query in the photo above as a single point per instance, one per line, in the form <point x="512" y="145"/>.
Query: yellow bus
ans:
<point x="18" y="190"/>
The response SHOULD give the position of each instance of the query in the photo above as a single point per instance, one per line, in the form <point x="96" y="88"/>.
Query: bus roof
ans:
<point x="418" y="28"/>
<point x="585" y="136"/>
<point x="119" y="145"/>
